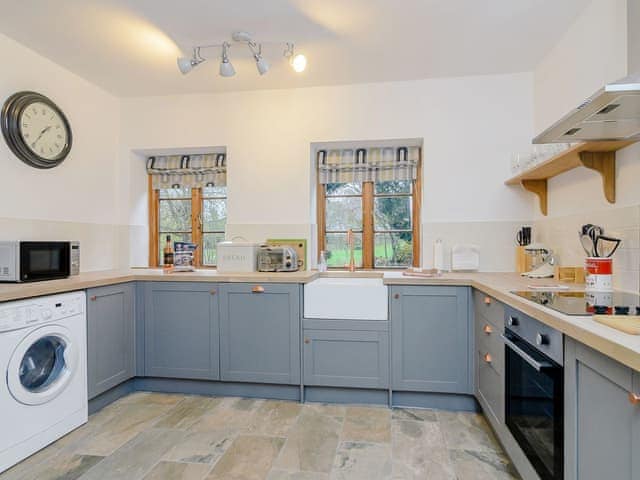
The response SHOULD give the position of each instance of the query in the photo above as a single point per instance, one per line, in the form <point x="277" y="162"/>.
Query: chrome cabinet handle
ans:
<point x="257" y="289"/>
<point x="524" y="355"/>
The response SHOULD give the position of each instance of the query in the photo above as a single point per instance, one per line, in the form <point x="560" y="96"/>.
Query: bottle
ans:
<point x="438" y="255"/>
<point x="167" y="254"/>
<point x="322" y="262"/>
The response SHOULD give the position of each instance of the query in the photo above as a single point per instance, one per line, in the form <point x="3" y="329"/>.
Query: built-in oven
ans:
<point x="534" y="393"/>
<point x="30" y="261"/>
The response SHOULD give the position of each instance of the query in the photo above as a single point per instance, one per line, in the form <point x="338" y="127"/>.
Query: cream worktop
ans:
<point x="620" y="346"/>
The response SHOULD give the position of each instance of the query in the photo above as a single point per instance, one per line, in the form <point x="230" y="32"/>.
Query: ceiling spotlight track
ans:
<point x="185" y="65"/>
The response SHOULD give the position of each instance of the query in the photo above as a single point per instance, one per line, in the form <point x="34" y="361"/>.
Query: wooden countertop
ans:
<point x="620" y="346"/>
<point x="16" y="291"/>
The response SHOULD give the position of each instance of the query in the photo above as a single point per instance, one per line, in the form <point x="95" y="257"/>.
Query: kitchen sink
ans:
<point x="346" y="298"/>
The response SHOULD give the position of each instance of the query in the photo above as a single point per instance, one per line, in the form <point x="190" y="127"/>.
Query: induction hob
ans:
<point x="585" y="303"/>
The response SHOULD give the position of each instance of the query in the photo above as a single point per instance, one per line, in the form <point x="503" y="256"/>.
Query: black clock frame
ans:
<point x="10" y="122"/>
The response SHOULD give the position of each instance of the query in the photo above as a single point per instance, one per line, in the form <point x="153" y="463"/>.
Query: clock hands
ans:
<point x="46" y="129"/>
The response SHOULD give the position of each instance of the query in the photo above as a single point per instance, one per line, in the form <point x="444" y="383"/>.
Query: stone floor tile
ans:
<point x="188" y="412"/>
<point x="367" y="424"/>
<point x="152" y="398"/>
<point x="286" y="475"/>
<point x="230" y="413"/>
<point x="362" y="461"/>
<point x="136" y="457"/>
<point x="328" y="409"/>
<point x="201" y="447"/>
<point x="275" y="418"/>
<point x="57" y="466"/>
<point x="250" y="457"/>
<point x="129" y="421"/>
<point x="467" y="431"/>
<point x="178" y="471"/>
<point x="415" y="414"/>
<point x="312" y="442"/>
<point x="418" y="451"/>
<point x="482" y="465"/>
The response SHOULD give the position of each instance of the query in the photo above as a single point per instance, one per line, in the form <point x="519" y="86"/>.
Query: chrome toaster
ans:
<point x="277" y="259"/>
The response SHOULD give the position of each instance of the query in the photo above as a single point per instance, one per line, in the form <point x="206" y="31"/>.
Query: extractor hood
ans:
<point x="612" y="113"/>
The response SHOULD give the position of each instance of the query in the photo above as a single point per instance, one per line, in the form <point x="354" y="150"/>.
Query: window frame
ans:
<point x="368" y="230"/>
<point x="196" y="224"/>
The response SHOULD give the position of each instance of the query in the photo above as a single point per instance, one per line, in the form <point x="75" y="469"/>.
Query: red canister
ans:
<point x="599" y="276"/>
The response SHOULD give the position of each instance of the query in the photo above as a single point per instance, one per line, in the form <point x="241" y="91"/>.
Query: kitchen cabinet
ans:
<point x="431" y="344"/>
<point x="182" y="330"/>
<point x="489" y="352"/>
<point x="260" y="333"/>
<point x="110" y="336"/>
<point x="346" y="358"/>
<point x="602" y="416"/>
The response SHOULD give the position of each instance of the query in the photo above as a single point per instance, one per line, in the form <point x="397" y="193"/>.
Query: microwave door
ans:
<point x="44" y="260"/>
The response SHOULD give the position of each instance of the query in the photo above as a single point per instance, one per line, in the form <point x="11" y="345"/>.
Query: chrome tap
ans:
<point x="351" y="243"/>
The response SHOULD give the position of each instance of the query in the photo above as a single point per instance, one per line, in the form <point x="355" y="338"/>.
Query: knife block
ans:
<point x="523" y="261"/>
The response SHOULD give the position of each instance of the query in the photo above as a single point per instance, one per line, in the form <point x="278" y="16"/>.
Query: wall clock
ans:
<point x="36" y="130"/>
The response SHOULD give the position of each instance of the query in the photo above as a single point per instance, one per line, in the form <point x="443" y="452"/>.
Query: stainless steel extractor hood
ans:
<point x="612" y="113"/>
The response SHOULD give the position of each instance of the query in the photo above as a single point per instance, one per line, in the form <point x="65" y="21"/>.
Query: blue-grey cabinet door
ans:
<point x="602" y="424"/>
<point x="260" y="333"/>
<point x="110" y="336"/>
<point x="430" y="331"/>
<point x="182" y="330"/>
<point x="345" y="358"/>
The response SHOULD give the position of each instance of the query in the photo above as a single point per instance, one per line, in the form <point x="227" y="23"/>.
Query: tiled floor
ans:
<point x="154" y="436"/>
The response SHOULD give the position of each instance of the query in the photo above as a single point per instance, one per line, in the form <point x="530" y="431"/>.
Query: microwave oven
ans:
<point x="32" y="261"/>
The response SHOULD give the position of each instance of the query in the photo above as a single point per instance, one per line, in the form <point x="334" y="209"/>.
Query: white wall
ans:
<point x="469" y="125"/>
<point x="591" y="53"/>
<point x="76" y="200"/>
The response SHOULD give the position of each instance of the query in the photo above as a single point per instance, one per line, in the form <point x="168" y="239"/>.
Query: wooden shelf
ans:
<point x="598" y="156"/>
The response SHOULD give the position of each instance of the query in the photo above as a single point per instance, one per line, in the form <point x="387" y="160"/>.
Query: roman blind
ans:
<point x="378" y="164"/>
<point x="188" y="171"/>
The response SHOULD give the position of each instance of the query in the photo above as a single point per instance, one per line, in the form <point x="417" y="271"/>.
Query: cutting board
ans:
<point x="625" y="323"/>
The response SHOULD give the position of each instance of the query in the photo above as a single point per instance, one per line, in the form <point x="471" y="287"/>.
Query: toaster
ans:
<point x="277" y="259"/>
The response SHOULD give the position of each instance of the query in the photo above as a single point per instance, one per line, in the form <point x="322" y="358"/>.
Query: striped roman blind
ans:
<point x="378" y="164"/>
<point x="188" y="171"/>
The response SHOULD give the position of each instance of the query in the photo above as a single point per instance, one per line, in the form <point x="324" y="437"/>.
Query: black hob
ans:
<point x="585" y="303"/>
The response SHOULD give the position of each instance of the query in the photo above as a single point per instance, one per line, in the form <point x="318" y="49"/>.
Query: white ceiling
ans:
<point x="130" y="47"/>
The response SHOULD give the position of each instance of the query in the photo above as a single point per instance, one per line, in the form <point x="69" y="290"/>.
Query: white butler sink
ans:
<point x="346" y="299"/>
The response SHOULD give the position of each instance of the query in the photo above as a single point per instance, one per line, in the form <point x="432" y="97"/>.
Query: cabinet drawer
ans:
<point x="343" y="358"/>
<point x="488" y="341"/>
<point x="491" y="388"/>
<point x="488" y="307"/>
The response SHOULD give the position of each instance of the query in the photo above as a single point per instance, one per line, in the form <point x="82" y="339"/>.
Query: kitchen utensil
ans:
<point x="523" y="237"/>
<point x="606" y="246"/>
<point x="543" y="261"/>
<point x="587" y="245"/>
<point x="589" y="239"/>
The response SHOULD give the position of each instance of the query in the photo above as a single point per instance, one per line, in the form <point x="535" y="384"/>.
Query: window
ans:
<point x="384" y="216"/>
<point x="196" y="215"/>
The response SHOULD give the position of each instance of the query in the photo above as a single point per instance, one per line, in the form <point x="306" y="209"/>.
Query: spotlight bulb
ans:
<point x="185" y="65"/>
<point x="299" y="63"/>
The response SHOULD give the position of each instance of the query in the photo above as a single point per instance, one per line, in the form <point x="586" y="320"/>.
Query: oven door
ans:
<point x="44" y="260"/>
<point x="534" y="405"/>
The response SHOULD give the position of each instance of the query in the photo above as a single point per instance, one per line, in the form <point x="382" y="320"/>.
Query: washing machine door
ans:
<point x="42" y="365"/>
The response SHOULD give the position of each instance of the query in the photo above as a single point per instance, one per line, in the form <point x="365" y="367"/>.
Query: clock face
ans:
<point x="43" y="130"/>
<point x="35" y="130"/>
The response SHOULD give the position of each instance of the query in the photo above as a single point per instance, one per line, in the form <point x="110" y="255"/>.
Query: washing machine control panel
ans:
<point x="26" y="313"/>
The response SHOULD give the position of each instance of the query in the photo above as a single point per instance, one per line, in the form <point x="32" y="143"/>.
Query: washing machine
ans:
<point x="43" y="361"/>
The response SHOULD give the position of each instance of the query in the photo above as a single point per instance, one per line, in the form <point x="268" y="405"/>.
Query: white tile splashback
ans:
<point x="561" y="234"/>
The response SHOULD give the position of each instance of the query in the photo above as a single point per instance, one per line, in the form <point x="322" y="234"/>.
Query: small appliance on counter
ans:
<point x="32" y="261"/>
<point x="542" y="261"/>
<point x="277" y="259"/>
<point x="237" y="257"/>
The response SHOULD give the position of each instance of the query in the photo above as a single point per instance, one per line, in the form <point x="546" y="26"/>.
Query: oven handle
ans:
<point x="524" y="355"/>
